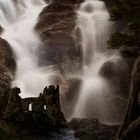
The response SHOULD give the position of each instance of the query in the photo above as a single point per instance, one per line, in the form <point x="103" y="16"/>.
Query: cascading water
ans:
<point x="18" y="20"/>
<point x="95" y="95"/>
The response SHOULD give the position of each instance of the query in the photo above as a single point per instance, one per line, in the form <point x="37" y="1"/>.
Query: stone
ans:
<point x="55" y="26"/>
<point x="69" y="95"/>
<point x="86" y="129"/>
<point x="117" y="76"/>
<point x="1" y="29"/>
<point x="7" y="64"/>
<point x="14" y="105"/>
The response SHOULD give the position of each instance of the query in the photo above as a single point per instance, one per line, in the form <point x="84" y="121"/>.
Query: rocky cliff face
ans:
<point x="65" y="1"/>
<point x="127" y="40"/>
<point x="55" y="27"/>
<point x="7" y="64"/>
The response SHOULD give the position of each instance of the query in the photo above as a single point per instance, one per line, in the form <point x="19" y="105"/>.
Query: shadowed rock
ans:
<point x="43" y="117"/>
<point x="7" y="64"/>
<point x="92" y="130"/>
<point x="1" y="29"/>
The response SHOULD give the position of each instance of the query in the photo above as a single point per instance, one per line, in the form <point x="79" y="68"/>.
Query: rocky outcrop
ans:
<point x="7" y="64"/>
<point x="131" y="125"/>
<point x="14" y="104"/>
<point x="55" y="28"/>
<point x="128" y="41"/>
<point x="92" y="130"/>
<point x="65" y="1"/>
<point x="1" y="29"/>
<point x="117" y="76"/>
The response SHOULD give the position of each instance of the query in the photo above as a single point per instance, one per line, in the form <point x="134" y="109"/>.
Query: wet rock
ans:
<point x="117" y="75"/>
<point x="69" y="95"/>
<point x="55" y="26"/>
<point x="7" y="64"/>
<point x="130" y="127"/>
<point x="14" y="105"/>
<point x="1" y="29"/>
<point x="91" y="129"/>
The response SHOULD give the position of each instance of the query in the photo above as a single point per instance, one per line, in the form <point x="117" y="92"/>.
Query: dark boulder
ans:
<point x="91" y="129"/>
<point x="117" y="75"/>
<point x="1" y="29"/>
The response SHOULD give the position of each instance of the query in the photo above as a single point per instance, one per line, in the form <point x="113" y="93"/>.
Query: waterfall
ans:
<point x="96" y="99"/>
<point x="18" y="20"/>
<point x="102" y="69"/>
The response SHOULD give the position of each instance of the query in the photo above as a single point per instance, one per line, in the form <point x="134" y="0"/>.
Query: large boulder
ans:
<point x="117" y="75"/>
<point x="55" y="28"/>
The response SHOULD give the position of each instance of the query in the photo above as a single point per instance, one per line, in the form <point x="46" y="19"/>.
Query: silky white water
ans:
<point x="95" y="96"/>
<point x="18" y="20"/>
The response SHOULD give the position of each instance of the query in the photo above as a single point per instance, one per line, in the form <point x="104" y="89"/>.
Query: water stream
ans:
<point x="18" y="20"/>
<point x="96" y="98"/>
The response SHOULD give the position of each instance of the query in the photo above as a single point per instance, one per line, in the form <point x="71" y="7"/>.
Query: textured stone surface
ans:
<point x="92" y="130"/>
<point x="55" y="28"/>
<point x="7" y="64"/>
<point x="1" y="29"/>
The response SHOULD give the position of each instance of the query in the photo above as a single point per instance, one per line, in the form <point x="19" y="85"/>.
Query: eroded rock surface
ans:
<point x="1" y="29"/>
<point x="92" y="130"/>
<point x="55" y="28"/>
<point x="7" y="64"/>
